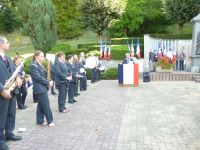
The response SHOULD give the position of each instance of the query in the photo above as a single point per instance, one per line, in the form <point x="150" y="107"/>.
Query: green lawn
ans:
<point x="22" y="44"/>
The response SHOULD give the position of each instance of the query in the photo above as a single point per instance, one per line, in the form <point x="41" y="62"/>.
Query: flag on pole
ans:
<point x="109" y="48"/>
<point x="101" y="47"/>
<point x="105" y="50"/>
<point x="138" y="48"/>
<point x="129" y="48"/>
<point x="132" y="48"/>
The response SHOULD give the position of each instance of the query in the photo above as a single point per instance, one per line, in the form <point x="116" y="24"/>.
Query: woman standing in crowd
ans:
<point x="40" y="85"/>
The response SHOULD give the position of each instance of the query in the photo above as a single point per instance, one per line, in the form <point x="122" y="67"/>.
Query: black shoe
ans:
<point x="71" y="102"/>
<point x="22" y="107"/>
<point x="74" y="100"/>
<point x="14" y="138"/>
<point x="3" y="145"/>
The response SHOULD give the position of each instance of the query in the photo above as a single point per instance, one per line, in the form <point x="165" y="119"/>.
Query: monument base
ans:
<point x="195" y="60"/>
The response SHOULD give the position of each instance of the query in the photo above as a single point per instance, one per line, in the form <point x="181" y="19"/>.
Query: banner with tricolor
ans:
<point x="128" y="74"/>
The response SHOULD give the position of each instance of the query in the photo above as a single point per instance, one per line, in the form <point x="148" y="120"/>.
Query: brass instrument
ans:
<point x="10" y="83"/>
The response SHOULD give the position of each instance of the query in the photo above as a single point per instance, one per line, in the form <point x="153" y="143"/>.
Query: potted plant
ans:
<point x="165" y="65"/>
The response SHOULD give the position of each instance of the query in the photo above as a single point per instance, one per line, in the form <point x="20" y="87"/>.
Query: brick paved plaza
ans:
<point x="152" y="116"/>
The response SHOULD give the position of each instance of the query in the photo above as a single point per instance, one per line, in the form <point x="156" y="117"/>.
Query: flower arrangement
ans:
<point x="166" y="63"/>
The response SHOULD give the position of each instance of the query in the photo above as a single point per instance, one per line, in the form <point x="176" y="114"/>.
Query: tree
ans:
<point x="39" y="23"/>
<point x="69" y="23"/>
<point x="8" y="16"/>
<point x="182" y="11"/>
<point x="97" y="15"/>
<point x="140" y="16"/>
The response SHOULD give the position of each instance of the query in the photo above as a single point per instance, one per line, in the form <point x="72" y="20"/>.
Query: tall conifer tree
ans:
<point x="39" y="23"/>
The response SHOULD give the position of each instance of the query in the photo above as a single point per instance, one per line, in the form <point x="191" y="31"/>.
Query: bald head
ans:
<point x="4" y="44"/>
<point x="2" y="40"/>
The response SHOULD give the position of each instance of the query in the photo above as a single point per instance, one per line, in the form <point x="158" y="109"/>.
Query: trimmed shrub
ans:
<point x="60" y="47"/>
<point x="172" y="36"/>
<point x="75" y="51"/>
<point x="110" y="74"/>
<point x="123" y="41"/>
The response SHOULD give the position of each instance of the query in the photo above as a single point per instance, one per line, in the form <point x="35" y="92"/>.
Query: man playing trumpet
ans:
<point x="7" y="97"/>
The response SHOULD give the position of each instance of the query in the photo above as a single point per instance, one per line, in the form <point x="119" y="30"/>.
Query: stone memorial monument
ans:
<point x="195" y="53"/>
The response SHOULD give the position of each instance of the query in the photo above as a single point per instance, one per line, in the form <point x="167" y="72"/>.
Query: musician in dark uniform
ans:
<point x="72" y="83"/>
<point x="21" y="96"/>
<point x="83" y="79"/>
<point x="40" y="86"/>
<point x="77" y="69"/>
<point x="53" y="79"/>
<point x="62" y="77"/>
<point x="7" y="98"/>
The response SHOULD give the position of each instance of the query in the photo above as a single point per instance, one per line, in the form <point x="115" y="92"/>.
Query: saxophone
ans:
<point x="10" y="83"/>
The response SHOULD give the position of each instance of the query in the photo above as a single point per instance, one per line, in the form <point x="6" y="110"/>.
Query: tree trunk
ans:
<point x="180" y="28"/>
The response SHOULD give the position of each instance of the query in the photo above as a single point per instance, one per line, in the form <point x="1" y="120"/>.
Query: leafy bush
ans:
<point x="172" y="36"/>
<point x="27" y="63"/>
<point x="111" y="73"/>
<point x="123" y="41"/>
<point x="86" y="45"/>
<point x="60" y="47"/>
<point x="76" y="51"/>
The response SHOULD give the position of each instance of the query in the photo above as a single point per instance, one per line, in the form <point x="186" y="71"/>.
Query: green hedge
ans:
<point x="172" y="36"/>
<point x="110" y="74"/>
<point x="76" y="51"/>
<point x="123" y="41"/>
<point x="60" y="47"/>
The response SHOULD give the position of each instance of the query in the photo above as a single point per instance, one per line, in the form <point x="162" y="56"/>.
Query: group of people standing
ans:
<point x="66" y="75"/>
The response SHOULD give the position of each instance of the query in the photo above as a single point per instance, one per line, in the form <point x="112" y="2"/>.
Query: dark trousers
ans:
<point x="62" y="95"/>
<point x="53" y="88"/>
<point x="97" y="75"/>
<point x="83" y="83"/>
<point x="71" y="91"/>
<point x="7" y="117"/>
<point x="181" y="64"/>
<point x="93" y="75"/>
<point x="43" y="109"/>
<point x="21" y="97"/>
<point x="76" y="88"/>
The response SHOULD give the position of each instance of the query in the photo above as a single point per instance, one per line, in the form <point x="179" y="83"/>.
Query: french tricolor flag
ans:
<point x="128" y="74"/>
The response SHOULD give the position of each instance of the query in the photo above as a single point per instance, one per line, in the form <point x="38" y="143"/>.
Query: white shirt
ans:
<point x="2" y="55"/>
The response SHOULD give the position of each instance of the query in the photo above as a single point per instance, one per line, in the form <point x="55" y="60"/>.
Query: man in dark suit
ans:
<point x="40" y="86"/>
<point x="128" y="59"/>
<point x="7" y="98"/>
<point x="62" y="77"/>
